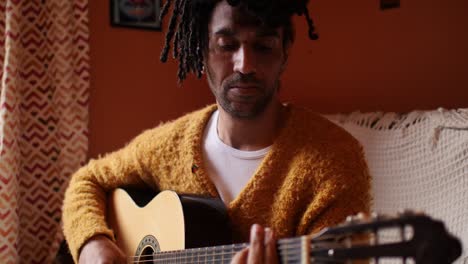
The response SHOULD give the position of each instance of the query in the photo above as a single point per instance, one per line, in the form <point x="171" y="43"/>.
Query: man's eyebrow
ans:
<point x="267" y="32"/>
<point x="261" y="33"/>
<point x="225" y="32"/>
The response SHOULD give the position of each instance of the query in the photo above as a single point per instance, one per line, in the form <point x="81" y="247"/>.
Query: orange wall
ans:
<point x="415" y="57"/>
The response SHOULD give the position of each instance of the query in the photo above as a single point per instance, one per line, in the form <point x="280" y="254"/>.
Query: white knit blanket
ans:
<point x="418" y="160"/>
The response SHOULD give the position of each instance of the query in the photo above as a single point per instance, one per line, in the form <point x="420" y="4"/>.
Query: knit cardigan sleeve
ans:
<point x="85" y="199"/>
<point x="158" y="158"/>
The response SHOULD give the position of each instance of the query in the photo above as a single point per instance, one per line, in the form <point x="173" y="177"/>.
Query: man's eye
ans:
<point x="263" y="48"/>
<point x="226" y="44"/>
<point x="227" y="47"/>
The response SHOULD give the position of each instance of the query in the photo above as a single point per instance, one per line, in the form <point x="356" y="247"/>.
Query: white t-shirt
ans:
<point x="230" y="169"/>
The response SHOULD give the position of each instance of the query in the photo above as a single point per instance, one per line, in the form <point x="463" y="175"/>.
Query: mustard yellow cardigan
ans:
<point x="313" y="177"/>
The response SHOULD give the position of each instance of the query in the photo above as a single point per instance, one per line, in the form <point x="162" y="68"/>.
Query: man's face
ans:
<point x="244" y="61"/>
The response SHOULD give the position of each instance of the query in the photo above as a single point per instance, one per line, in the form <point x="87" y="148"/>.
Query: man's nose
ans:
<point x="245" y="61"/>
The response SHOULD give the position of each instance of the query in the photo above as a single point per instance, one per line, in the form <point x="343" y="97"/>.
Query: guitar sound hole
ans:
<point x="146" y="249"/>
<point x="147" y="255"/>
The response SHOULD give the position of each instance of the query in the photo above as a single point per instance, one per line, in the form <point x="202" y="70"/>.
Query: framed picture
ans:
<point x="142" y="14"/>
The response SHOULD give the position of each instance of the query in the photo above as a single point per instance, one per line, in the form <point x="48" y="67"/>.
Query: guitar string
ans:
<point x="314" y="259"/>
<point x="172" y="257"/>
<point x="292" y="248"/>
<point x="166" y="257"/>
<point x="285" y="243"/>
<point x="290" y="243"/>
<point x="202" y="254"/>
<point x="185" y="257"/>
<point x="296" y="259"/>
<point x="289" y="259"/>
<point x="228" y="255"/>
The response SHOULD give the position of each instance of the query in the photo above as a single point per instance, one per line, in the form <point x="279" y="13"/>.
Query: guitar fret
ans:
<point x="285" y="254"/>
<point x="222" y="254"/>
<point x="201" y="255"/>
<point x="194" y="256"/>
<point x="233" y="252"/>
<point x="217" y="258"/>
<point x="291" y="250"/>
<point x="209" y="257"/>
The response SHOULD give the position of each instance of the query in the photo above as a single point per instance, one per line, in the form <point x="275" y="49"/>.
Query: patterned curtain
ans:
<point x="44" y="91"/>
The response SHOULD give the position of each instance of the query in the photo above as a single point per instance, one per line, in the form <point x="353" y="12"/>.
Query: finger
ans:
<point x="271" y="255"/>
<point x="257" y="247"/>
<point x="240" y="257"/>
<point x="119" y="261"/>
<point x="123" y="256"/>
<point x="122" y="259"/>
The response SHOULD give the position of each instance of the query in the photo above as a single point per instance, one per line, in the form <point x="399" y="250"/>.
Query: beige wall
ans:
<point x="415" y="57"/>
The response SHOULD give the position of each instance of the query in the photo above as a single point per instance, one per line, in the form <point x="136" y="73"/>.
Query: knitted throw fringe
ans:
<point x="418" y="160"/>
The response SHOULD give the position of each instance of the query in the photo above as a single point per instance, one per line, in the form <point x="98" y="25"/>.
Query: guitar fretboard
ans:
<point x="289" y="251"/>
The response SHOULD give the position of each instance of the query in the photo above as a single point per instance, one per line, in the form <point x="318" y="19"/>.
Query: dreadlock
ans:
<point x="188" y="26"/>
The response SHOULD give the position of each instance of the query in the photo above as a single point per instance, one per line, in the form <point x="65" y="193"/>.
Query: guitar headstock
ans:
<point x="409" y="236"/>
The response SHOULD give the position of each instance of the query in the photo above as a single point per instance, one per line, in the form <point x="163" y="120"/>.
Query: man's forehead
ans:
<point x="227" y="19"/>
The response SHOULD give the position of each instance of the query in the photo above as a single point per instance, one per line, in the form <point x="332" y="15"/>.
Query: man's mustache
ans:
<point x="242" y="79"/>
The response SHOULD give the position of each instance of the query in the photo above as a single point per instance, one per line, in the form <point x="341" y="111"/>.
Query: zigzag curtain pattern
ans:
<point x="44" y="94"/>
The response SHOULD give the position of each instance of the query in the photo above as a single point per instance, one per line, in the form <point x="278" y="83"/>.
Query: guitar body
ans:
<point x="166" y="223"/>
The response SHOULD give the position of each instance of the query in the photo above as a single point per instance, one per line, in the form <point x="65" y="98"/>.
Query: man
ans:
<point x="272" y="164"/>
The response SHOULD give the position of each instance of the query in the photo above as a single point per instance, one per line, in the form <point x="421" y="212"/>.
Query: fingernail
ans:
<point x="255" y="232"/>
<point x="268" y="235"/>
<point x="255" y="228"/>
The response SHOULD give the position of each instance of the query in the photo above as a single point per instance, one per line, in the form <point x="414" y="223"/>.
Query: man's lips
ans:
<point x="244" y="90"/>
<point x="243" y="87"/>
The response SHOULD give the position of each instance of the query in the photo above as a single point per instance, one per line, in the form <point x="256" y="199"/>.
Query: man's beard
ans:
<point x="256" y="105"/>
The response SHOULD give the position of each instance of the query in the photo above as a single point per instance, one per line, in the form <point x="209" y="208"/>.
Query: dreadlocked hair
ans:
<point x="188" y="26"/>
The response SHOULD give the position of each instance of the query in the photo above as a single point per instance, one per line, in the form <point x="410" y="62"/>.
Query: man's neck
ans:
<point x="251" y="134"/>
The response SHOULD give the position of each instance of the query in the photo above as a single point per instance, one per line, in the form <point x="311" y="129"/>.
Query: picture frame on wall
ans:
<point x="142" y="14"/>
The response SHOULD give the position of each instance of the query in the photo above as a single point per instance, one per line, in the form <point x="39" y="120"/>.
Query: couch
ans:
<point x="419" y="161"/>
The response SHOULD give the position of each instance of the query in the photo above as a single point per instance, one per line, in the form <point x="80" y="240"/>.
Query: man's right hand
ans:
<point x="100" y="250"/>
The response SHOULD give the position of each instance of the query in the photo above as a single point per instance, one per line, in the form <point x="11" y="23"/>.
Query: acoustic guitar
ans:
<point x="172" y="228"/>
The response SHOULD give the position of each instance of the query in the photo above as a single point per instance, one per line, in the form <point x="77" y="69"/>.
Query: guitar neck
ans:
<point x="217" y="254"/>
<point x="291" y="250"/>
<point x="288" y="251"/>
